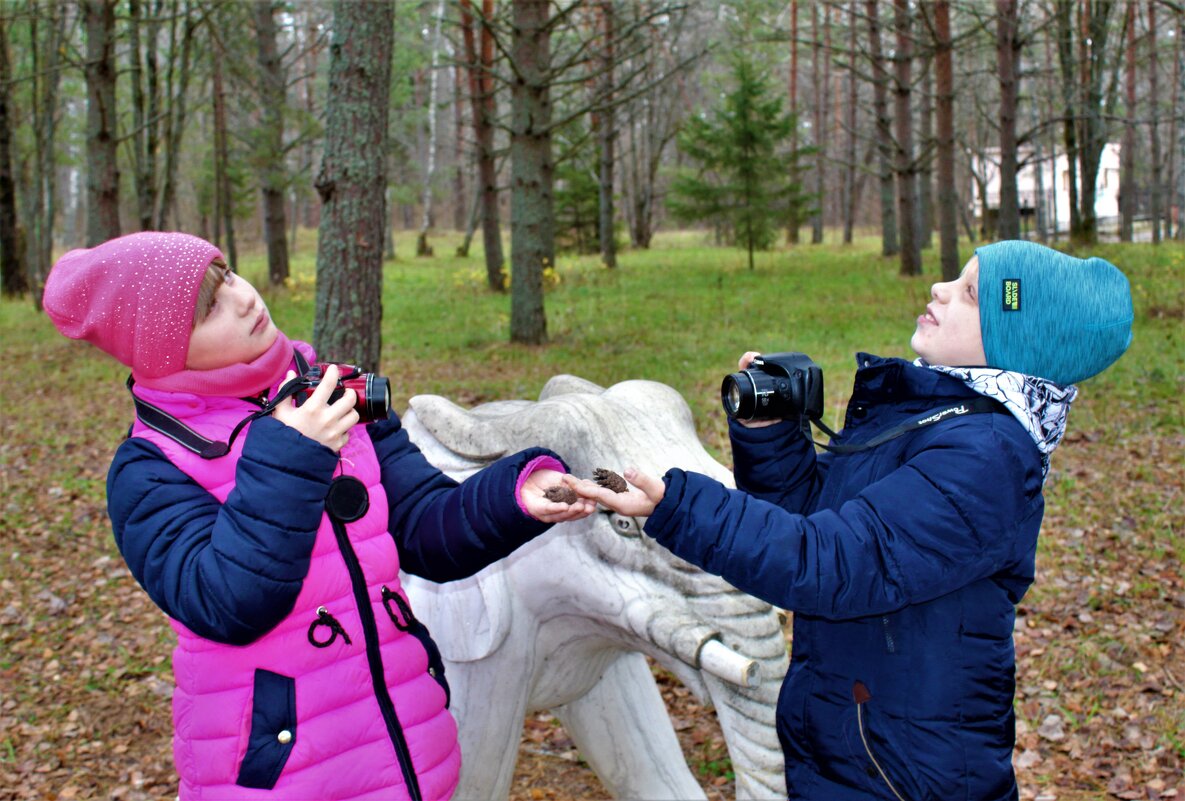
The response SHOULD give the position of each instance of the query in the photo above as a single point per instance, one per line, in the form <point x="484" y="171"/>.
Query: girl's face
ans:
<point x="237" y="329"/>
<point x="948" y="333"/>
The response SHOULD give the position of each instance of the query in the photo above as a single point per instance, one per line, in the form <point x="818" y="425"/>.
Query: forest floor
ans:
<point x="85" y="676"/>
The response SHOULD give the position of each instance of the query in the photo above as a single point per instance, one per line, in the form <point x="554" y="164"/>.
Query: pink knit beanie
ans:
<point x="132" y="296"/>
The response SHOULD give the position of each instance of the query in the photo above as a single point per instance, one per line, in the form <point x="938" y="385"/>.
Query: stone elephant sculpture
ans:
<point x="564" y="623"/>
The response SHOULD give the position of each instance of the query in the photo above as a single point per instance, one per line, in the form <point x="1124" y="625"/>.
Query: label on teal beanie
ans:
<point x="1011" y="294"/>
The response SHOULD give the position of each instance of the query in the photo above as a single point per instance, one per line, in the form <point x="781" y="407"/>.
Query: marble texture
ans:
<point x="564" y="624"/>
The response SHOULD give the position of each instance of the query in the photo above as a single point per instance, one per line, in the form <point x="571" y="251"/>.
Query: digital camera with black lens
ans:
<point x="373" y="391"/>
<point x="775" y="386"/>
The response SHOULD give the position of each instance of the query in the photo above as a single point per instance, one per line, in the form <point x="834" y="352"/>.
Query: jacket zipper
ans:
<point x="868" y="750"/>
<point x="375" y="661"/>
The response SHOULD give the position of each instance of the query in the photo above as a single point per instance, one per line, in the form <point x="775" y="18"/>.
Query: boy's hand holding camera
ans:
<point x="743" y="364"/>
<point x="319" y="418"/>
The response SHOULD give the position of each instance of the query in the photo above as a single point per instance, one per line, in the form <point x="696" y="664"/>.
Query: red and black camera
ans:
<point x="373" y="391"/>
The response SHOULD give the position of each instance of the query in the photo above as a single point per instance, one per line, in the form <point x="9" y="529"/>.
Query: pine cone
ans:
<point x="561" y="493"/>
<point x="609" y="480"/>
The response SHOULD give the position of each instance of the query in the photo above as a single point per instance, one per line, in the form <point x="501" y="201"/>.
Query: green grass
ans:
<point x="680" y="313"/>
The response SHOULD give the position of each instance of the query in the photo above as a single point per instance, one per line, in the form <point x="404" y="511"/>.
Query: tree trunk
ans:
<point x="1176" y="169"/>
<point x="427" y="220"/>
<point x="102" y="182"/>
<point x="310" y="217"/>
<point x="1064" y="15"/>
<point x="1054" y="219"/>
<point x="348" y="319"/>
<point x="1007" y="53"/>
<point x="177" y="121"/>
<point x="910" y="256"/>
<point x="794" y="222"/>
<point x="532" y="211"/>
<point x="819" y="87"/>
<point x="948" y="202"/>
<point x="272" y="180"/>
<point x="470" y="226"/>
<point x="884" y="133"/>
<point x="925" y="179"/>
<point x="482" y="103"/>
<point x="141" y="155"/>
<point x="38" y="245"/>
<point x="1096" y="28"/>
<point x="460" y="207"/>
<point x="606" y="136"/>
<point x="1127" y="162"/>
<point x="13" y="280"/>
<point x="224" y="214"/>
<point x="1156" y="180"/>
<point x="849" y="180"/>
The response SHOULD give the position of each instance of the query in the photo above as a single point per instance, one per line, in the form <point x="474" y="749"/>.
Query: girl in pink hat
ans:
<point x="272" y="535"/>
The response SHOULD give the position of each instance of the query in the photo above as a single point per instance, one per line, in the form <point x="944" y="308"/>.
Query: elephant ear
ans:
<point x="564" y="384"/>
<point x="472" y="436"/>
<point x="470" y="618"/>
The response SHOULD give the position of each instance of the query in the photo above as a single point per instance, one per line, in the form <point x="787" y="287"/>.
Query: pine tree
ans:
<point x="741" y="182"/>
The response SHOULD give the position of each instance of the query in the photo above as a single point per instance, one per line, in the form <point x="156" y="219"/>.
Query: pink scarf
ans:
<point x="241" y="380"/>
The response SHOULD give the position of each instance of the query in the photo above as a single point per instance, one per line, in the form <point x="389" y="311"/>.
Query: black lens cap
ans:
<point x="347" y="499"/>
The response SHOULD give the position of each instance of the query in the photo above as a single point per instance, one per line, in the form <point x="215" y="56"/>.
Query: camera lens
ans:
<point x="738" y="394"/>
<point x="375" y="400"/>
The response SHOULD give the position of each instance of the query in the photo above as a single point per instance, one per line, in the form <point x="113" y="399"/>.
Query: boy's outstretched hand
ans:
<point x="533" y="495"/>
<point x="639" y="501"/>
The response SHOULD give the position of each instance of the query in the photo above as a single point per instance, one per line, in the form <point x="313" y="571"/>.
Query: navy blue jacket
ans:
<point x="902" y="564"/>
<point x="231" y="572"/>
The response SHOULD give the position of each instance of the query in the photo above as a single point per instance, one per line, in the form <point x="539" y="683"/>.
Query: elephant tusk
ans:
<point x="726" y="664"/>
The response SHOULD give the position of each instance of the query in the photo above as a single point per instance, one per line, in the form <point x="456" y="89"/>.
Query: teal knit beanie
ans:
<point x="1046" y="314"/>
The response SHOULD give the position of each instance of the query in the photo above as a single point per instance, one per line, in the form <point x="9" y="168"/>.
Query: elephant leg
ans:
<point x="489" y="716"/>
<point x="623" y="730"/>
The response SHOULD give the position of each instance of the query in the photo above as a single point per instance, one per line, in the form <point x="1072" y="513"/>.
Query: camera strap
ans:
<point x="978" y="405"/>
<point x="164" y="423"/>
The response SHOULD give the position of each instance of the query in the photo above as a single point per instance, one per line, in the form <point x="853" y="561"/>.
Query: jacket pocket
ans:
<point x="273" y="730"/>
<point x="407" y="622"/>
<point x="883" y="755"/>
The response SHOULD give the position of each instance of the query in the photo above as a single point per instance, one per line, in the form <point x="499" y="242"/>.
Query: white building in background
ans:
<point x="1054" y="181"/>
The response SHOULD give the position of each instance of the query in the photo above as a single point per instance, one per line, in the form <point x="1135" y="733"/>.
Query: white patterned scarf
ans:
<point x="1039" y="404"/>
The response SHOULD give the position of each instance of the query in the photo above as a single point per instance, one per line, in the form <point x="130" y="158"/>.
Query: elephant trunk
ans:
<point x="747" y="713"/>
<point x="691" y="640"/>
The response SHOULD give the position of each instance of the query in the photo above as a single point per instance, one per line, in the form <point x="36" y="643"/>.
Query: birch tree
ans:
<point x="426" y="211"/>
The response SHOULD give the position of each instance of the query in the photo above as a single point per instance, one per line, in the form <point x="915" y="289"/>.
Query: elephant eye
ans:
<point x="625" y="526"/>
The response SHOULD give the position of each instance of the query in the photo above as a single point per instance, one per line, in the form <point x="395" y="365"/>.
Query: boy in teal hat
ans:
<point x="903" y="561"/>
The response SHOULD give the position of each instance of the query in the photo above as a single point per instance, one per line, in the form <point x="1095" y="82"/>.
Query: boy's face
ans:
<point x="948" y="332"/>
<point x="237" y="328"/>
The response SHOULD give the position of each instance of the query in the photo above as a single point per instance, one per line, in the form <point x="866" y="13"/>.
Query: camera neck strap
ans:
<point x="164" y="423"/>
<point x="977" y="405"/>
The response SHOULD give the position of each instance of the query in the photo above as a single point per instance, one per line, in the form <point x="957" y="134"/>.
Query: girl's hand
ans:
<point x="316" y="418"/>
<point x="638" y="502"/>
<point x="534" y="500"/>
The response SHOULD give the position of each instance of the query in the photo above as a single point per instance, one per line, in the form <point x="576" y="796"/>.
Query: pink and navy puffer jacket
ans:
<point x="301" y="671"/>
